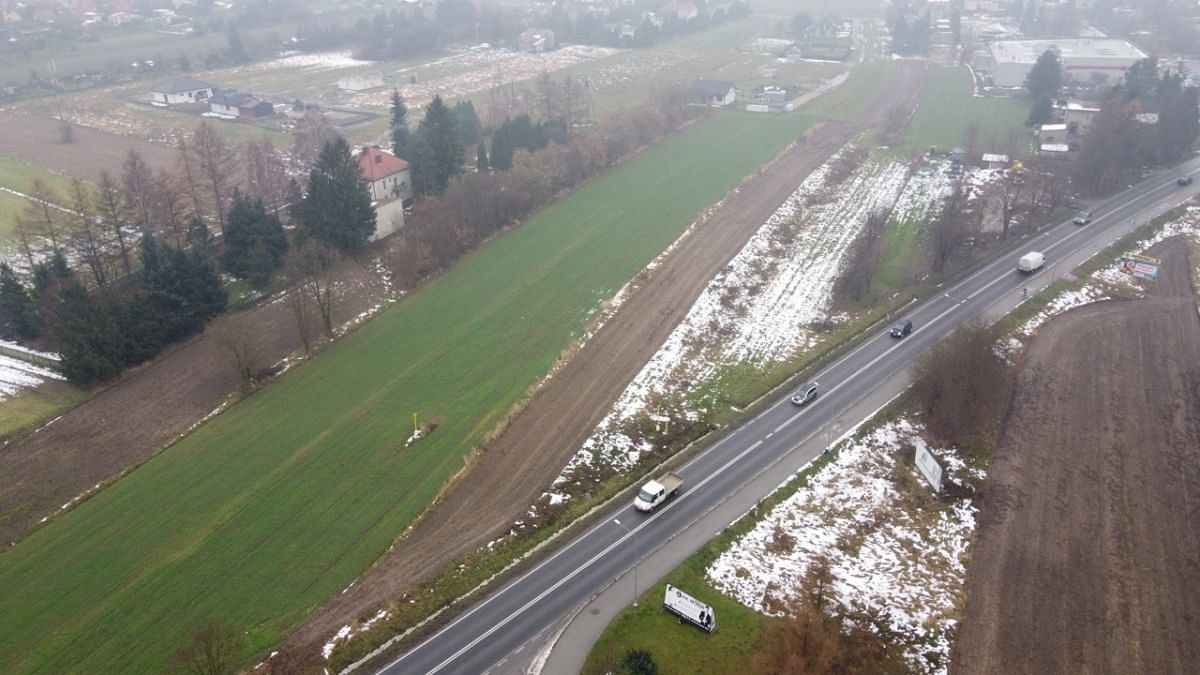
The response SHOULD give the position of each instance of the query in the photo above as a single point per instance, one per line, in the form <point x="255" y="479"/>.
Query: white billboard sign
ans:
<point x="928" y="465"/>
<point x="689" y="609"/>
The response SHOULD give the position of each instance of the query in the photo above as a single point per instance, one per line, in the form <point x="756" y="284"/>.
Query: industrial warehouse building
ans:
<point x="1084" y="59"/>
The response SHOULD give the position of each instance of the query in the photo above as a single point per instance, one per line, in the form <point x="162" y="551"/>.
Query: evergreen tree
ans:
<point x="1041" y="112"/>
<point x="1178" y="121"/>
<point x="468" y="122"/>
<point x="337" y="209"/>
<point x="87" y="336"/>
<point x="254" y="241"/>
<point x="441" y="157"/>
<point x="47" y="273"/>
<point x="237" y="51"/>
<point x="18" y="314"/>
<point x="1141" y="80"/>
<point x="182" y="288"/>
<point x="481" y="157"/>
<point x="502" y="149"/>
<point x="1045" y="78"/>
<point x="399" y="125"/>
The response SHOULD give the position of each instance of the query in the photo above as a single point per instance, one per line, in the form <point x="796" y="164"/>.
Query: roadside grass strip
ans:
<point x="278" y="503"/>
<point x="895" y="553"/>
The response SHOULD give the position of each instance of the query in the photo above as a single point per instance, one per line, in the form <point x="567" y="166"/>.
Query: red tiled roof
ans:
<point x="374" y="164"/>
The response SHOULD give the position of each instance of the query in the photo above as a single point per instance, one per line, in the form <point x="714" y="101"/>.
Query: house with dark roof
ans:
<point x="389" y="176"/>
<point x="234" y="103"/>
<point x="715" y="92"/>
<point x="182" y="89"/>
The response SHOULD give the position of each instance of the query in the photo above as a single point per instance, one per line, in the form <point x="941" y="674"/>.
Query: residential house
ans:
<point x="1078" y="118"/>
<point x="715" y="92"/>
<point x="536" y="40"/>
<point x="234" y="103"/>
<point x="389" y="176"/>
<point x="1052" y="134"/>
<point x="182" y="89"/>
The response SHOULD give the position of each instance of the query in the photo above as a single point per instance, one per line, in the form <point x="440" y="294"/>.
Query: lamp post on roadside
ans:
<point x="636" y="555"/>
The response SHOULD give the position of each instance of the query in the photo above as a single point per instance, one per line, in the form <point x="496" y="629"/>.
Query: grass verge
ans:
<point x="949" y="105"/>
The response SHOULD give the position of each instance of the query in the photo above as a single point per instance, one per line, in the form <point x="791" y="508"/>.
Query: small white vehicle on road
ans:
<point x="657" y="491"/>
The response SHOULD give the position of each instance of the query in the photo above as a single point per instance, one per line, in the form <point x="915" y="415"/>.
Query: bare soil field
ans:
<point x="36" y="140"/>
<point x="1088" y="553"/>
<point x="138" y="415"/>
<point x="533" y="450"/>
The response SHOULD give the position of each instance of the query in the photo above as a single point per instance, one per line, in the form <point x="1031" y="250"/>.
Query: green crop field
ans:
<point x="278" y="503"/>
<point x="948" y="106"/>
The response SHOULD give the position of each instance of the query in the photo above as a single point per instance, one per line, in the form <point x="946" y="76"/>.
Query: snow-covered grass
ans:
<point x="894" y="551"/>
<point x="313" y="62"/>
<point x="764" y="306"/>
<point x="18" y="374"/>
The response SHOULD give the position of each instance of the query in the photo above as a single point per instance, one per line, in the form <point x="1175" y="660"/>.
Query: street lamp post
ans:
<point x="636" y="556"/>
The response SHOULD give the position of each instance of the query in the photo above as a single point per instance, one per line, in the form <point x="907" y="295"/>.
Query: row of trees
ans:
<point x="1150" y="119"/>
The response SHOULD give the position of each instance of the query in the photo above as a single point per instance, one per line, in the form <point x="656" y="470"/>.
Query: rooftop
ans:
<point x="375" y="164"/>
<point x="181" y="84"/>
<point x="713" y="87"/>
<point x="1028" y="51"/>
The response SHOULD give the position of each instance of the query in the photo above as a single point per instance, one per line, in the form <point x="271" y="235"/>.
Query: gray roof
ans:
<point x="713" y="87"/>
<point x="232" y="97"/>
<point x="180" y="85"/>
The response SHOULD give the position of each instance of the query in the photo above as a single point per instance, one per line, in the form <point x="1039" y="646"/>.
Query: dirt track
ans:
<point x="542" y="438"/>
<point x="1088" y="554"/>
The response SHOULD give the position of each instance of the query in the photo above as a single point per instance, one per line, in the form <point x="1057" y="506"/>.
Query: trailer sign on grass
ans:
<point x="690" y="609"/>
<point x="928" y="465"/>
<point x="1140" y="266"/>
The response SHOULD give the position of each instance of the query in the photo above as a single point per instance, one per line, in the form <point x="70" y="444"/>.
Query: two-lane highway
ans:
<point x="502" y="622"/>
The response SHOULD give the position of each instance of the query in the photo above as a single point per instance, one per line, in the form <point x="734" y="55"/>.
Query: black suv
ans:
<point x="901" y="328"/>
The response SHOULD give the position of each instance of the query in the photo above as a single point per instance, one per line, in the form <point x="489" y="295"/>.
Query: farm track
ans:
<point x="1088" y="553"/>
<point x="35" y="139"/>
<point x="543" y="437"/>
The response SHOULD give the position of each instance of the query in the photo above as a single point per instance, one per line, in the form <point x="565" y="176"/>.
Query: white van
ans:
<point x="1031" y="262"/>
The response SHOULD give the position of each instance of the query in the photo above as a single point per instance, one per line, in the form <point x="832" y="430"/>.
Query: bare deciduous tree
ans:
<point x="88" y="237"/>
<point x="43" y="216"/>
<point x="951" y="227"/>
<point x="168" y="205"/>
<point x="217" y="163"/>
<point x="863" y="257"/>
<point x="238" y="338"/>
<point x="312" y="133"/>
<point x="138" y="183"/>
<point x="315" y="265"/>
<point x="265" y="174"/>
<point x="960" y="384"/>
<point x="114" y="213"/>
<point x="211" y="649"/>
<point x="191" y="176"/>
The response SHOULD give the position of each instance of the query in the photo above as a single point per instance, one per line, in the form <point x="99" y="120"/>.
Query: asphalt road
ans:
<point x="506" y="620"/>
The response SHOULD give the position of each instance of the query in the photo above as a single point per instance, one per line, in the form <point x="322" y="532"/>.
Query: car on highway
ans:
<point x="1185" y="180"/>
<point x="1083" y="217"/>
<point x="901" y="328"/>
<point x="806" y="394"/>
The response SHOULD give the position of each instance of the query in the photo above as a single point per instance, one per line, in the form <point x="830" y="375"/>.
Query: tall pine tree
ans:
<point x="399" y="125"/>
<point x="18" y="314"/>
<point x="337" y="209"/>
<point x="441" y="157"/>
<point x="87" y="335"/>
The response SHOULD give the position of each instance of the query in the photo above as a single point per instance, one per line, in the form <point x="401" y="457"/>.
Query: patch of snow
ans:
<point x="904" y="564"/>
<point x="17" y="375"/>
<point x="314" y="62"/>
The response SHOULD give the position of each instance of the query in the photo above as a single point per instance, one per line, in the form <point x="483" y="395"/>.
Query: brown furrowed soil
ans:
<point x="1088" y="553"/>
<point x="540" y="440"/>
<point x="35" y="139"/>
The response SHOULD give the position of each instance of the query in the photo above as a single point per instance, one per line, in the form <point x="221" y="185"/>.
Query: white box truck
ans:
<point x="1031" y="262"/>
<point x="690" y="609"/>
<point x="657" y="491"/>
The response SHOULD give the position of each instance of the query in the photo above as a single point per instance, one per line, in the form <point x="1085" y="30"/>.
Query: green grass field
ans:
<point x="948" y="107"/>
<point x="849" y="99"/>
<point x="281" y="501"/>
<point x="33" y="407"/>
<point x="17" y="175"/>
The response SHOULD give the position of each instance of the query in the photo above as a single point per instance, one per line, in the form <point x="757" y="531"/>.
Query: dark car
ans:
<point x="901" y="328"/>
<point x="1083" y="217"/>
<point x="1185" y="180"/>
<point x="805" y="395"/>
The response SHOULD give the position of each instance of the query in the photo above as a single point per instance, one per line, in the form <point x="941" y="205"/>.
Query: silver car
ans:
<point x="806" y="394"/>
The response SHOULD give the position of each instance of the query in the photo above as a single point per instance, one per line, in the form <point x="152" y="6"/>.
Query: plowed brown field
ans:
<point x="1088" y="554"/>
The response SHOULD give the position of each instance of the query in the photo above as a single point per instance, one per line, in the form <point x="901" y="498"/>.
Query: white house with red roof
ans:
<point x="391" y="183"/>
<point x="389" y="176"/>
